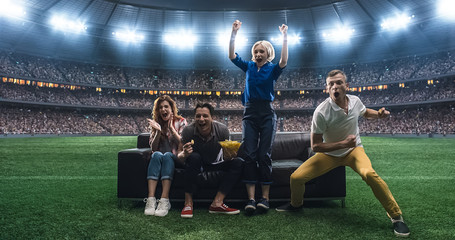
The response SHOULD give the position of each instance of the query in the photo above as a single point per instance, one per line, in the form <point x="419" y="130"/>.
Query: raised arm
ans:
<point x="284" y="50"/>
<point x="235" y="27"/>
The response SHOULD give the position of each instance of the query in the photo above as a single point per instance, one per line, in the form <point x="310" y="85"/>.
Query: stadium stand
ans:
<point x="60" y="97"/>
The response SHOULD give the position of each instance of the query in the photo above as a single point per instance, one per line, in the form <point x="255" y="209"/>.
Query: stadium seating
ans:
<point x="289" y="151"/>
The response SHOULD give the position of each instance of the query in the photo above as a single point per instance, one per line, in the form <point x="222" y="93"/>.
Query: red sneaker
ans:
<point x="187" y="212"/>
<point x="224" y="209"/>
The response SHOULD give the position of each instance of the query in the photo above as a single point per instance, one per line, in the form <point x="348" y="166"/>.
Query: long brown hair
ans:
<point x="156" y="110"/>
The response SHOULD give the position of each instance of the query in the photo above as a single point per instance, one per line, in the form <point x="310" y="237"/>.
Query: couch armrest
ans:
<point x="132" y="172"/>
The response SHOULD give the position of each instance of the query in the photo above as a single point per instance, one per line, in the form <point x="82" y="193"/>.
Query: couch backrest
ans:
<point x="291" y="145"/>
<point x="286" y="145"/>
<point x="143" y="140"/>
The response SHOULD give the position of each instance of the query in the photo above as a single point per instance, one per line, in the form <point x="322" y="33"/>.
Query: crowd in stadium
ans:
<point x="413" y="92"/>
<point x="46" y="69"/>
<point x="14" y="120"/>
<point x="298" y="108"/>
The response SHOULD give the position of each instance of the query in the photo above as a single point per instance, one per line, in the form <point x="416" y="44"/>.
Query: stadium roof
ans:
<point x="233" y="5"/>
<point x="33" y="33"/>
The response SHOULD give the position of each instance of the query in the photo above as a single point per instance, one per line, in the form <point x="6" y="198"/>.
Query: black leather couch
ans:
<point x="289" y="151"/>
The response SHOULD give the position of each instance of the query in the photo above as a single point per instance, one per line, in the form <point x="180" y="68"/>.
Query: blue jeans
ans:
<point x="259" y="129"/>
<point x="161" y="165"/>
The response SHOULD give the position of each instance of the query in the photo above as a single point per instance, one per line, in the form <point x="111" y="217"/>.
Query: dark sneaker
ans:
<point x="224" y="209"/>
<point x="400" y="228"/>
<point x="263" y="204"/>
<point x="250" y="206"/>
<point x="288" y="208"/>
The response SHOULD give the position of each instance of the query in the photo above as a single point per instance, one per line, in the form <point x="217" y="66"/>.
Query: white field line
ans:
<point x="58" y="177"/>
<point x="115" y="177"/>
<point x="407" y="177"/>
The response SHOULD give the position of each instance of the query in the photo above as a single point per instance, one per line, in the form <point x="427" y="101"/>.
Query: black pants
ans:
<point x="194" y="165"/>
<point x="259" y="129"/>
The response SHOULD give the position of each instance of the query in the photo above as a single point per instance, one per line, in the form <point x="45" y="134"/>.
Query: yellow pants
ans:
<point x="321" y="163"/>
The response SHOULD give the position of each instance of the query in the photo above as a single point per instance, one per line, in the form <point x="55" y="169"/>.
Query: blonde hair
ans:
<point x="268" y="46"/>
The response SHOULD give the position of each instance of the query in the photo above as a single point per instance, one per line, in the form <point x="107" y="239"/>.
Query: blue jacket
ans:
<point x="259" y="85"/>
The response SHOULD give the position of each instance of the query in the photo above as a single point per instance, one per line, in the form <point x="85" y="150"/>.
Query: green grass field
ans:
<point x="65" y="188"/>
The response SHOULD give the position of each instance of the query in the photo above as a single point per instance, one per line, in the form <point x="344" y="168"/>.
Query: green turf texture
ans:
<point x="65" y="188"/>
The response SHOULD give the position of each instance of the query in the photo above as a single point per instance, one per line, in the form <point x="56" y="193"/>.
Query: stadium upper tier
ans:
<point x="412" y="93"/>
<point x="412" y="68"/>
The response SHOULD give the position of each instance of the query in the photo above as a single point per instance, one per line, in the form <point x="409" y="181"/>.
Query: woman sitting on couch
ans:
<point x="165" y="141"/>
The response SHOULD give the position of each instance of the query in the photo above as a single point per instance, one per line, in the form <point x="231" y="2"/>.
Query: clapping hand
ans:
<point x="170" y="124"/>
<point x="154" y="125"/>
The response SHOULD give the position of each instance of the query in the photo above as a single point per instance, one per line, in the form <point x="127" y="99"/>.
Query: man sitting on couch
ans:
<point x="201" y="152"/>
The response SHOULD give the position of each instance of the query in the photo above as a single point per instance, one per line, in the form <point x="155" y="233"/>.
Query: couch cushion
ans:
<point x="282" y="170"/>
<point x="288" y="163"/>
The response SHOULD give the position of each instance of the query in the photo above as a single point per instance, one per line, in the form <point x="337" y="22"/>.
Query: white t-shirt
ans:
<point x="335" y="125"/>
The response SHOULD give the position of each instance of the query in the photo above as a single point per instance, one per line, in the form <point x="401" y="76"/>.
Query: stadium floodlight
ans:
<point x="292" y="39"/>
<point x="398" y="22"/>
<point x="180" y="39"/>
<point x="128" y="36"/>
<point x="224" y="38"/>
<point x="445" y="9"/>
<point x="63" y="24"/>
<point x="340" y="34"/>
<point x="10" y="9"/>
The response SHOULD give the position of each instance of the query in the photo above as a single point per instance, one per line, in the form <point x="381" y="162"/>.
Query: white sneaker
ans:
<point x="150" y="206"/>
<point x="163" y="207"/>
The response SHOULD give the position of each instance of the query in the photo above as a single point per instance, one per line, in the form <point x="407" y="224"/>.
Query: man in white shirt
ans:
<point x="335" y="139"/>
